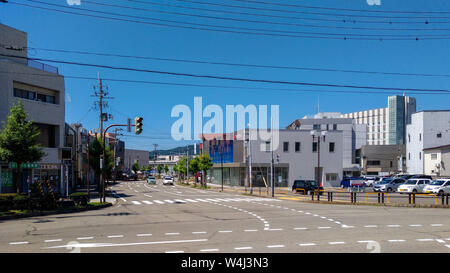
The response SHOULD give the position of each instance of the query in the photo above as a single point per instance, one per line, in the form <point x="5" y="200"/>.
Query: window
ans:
<point x="41" y="97"/>
<point x="285" y="146"/>
<point x="331" y="147"/>
<point x="391" y="164"/>
<point x="297" y="146"/>
<point x="420" y="137"/>
<point x="420" y="155"/>
<point x="268" y="146"/>
<point x="439" y="135"/>
<point x="316" y="127"/>
<point x="433" y="156"/>
<point x="373" y="162"/>
<point x="332" y="176"/>
<point x="314" y="147"/>
<point x="409" y="156"/>
<point x="334" y="127"/>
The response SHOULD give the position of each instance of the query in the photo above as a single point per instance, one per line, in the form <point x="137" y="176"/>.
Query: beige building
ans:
<point x="437" y="161"/>
<point x="41" y="90"/>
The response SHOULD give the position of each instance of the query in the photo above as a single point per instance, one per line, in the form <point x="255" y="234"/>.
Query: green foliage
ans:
<point x="135" y="167"/>
<point x="159" y="168"/>
<point x="166" y="168"/>
<point x="19" y="139"/>
<point x="194" y="165"/>
<point x="95" y="153"/>
<point x="80" y="198"/>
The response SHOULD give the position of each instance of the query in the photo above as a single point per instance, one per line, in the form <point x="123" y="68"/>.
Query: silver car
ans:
<point x="388" y="185"/>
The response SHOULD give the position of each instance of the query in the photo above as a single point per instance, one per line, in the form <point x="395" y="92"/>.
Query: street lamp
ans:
<point x="320" y="137"/>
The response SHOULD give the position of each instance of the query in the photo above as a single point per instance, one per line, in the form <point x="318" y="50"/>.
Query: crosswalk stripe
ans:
<point x="201" y="200"/>
<point x="179" y="201"/>
<point x="169" y="201"/>
<point x="190" y="200"/>
<point x="136" y="202"/>
<point x="158" y="202"/>
<point x="147" y="202"/>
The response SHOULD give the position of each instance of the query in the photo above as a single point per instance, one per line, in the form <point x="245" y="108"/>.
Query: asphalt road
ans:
<point x="180" y="219"/>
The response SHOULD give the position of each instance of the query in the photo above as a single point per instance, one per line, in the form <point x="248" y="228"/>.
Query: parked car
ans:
<point x="168" y="180"/>
<point x="438" y="186"/>
<point x="369" y="180"/>
<point x="422" y="176"/>
<point x="352" y="182"/>
<point x="304" y="186"/>
<point x="413" y="185"/>
<point x="388" y="185"/>
<point x="151" y="179"/>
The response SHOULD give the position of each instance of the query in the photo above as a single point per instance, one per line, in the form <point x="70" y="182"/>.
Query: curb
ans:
<point x="45" y="213"/>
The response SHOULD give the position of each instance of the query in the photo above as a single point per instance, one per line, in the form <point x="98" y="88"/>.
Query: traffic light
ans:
<point x="138" y="125"/>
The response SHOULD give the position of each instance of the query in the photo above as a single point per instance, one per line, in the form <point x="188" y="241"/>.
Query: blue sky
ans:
<point x="153" y="102"/>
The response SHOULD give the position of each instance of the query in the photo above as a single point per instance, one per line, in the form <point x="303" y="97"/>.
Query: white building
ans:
<point x="427" y="129"/>
<point x="437" y="161"/>
<point x="386" y="126"/>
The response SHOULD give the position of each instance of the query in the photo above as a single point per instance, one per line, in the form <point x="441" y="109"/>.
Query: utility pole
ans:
<point x="187" y="163"/>
<point x="250" y="159"/>
<point x="154" y="155"/>
<point x="271" y="168"/>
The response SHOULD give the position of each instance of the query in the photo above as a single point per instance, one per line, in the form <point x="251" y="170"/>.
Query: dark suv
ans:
<point x="304" y="186"/>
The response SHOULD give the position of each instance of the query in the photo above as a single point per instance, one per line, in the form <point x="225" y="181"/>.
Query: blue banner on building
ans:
<point x="221" y="150"/>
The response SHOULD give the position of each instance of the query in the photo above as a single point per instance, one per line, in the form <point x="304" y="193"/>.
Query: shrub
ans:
<point x="80" y="198"/>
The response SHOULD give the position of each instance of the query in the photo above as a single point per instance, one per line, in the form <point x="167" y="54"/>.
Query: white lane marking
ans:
<point x="144" y="235"/>
<point x="158" y="202"/>
<point x="199" y="232"/>
<point x="250" y="230"/>
<point x="275" y="229"/>
<point x="447" y="246"/>
<point x="85" y="238"/>
<point x="393" y="226"/>
<point x="225" y="231"/>
<point x="243" y="248"/>
<point x="147" y="202"/>
<point x="345" y="226"/>
<point x="209" y="250"/>
<point x="175" y="251"/>
<point x="179" y="201"/>
<point x="115" y="236"/>
<point x="190" y="200"/>
<point x="370" y="226"/>
<point x="172" y="233"/>
<point x="365" y="242"/>
<point x="54" y="240"/>
<point x="323" y="227"/>
<point x="436" y="225"/>
<point x="300" y="228"/>
<point x="415" y="225"/>
<point x="128" y="244"/>
<point x="136" y="202"/>
<point x="336" y="243"/>
<point x="18" y="243"/>
<point x="169" y="201"/>
<point x="396" y="241"/>
<point x="148" y="195"/>
<point x="440" y="241"/>
<point x="201" y="200"/>
<point x="275" y="246"/>
<point x="307" y="244"/>
<point x="424" y="240"/>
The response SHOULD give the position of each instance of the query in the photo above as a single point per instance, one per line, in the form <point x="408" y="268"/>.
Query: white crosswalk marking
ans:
<point x="169" y="201"/>
<point x="179" y="201"/>
<point x="136" y="202"/>
<point x="190" y="200"/>
<point x="206" y="200"/>
<point x="158" y="202"/>
<point x="147" y="202"/>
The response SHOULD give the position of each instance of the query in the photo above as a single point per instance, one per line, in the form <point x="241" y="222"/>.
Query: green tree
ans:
<point x="181" y="166"/>
<point x="149" y="167"/>
<point x="95" y="153"/>
<point x="204" y="164"/>
<point x="19" y="141"/>
<point x="166" y="169"/>
<point x="135" y="167"/>
<point x="159" y="169"/>
<point x="143" y="168"/>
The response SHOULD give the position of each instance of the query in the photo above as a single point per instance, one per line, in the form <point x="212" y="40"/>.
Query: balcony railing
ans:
<point x="43" y="67"/>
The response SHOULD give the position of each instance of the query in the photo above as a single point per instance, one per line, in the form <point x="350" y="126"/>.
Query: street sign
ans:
<point x="13" y="165"/>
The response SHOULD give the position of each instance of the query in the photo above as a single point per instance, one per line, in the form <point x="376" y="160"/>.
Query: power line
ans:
<point x="229" y="78"/>
<point x="280" y="33"/>
<point x="312" y="13"/>
<point x="261" y="22"/>
<point x="290" y="17"/>
<point x="242" y="64"/>
<point x="342" y="9"/>
<point x="245" y="28"/>
<point x="236" y="87"/>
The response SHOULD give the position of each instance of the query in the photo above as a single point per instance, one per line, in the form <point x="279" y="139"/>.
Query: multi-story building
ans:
<point x="132" y="156"/>
<point x="428" y="129"/>
<point x="41" y="90"/>
<point x="437" y="161"/>
<point x="387" y="126"/>
<point x="296" y="157"/>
